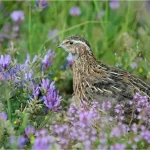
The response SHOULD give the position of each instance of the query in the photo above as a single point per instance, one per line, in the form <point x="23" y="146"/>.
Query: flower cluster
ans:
<point x="80" y="127"/>
<point x="48" y="59"/>
<point x="75" y="11"/>
<point x="51" y="98"/>
<point x="43" y="140"/>
<point x="29" y="131"/>
<point x="24" y="139"/>
<point x="5" y="61"/>
<point x="23" y="76"/>
<point x="87" y="127"/>
<point x="119" y="130"/>
<point x="31" y="113"/>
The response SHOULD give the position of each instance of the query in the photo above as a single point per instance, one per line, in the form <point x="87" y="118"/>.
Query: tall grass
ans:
<point x="118" y="36"/>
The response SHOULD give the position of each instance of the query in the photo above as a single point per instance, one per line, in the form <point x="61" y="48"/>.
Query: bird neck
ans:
<point x="86" y="70"/>
<point x="81" y="69"/>
<point x="83" y="63"/>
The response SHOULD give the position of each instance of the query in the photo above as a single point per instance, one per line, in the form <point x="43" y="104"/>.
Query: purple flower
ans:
<point x="103" y="137"/>
<point x="3" y="116"/>
<point x="21" y="141"/>
<point x="28" y="75"/>
<point x="48" y="58"/>
<point x="134" y="128"/>
<point x="72" y="110"/>
<point x="143" y="128"/>
<point x="70" y="60"/>
<point x="46" y="85"/>
<point x="106" y="105"/>
<point x="25" y="69"/>
<point x="147" y="111"/>
<point x="119" y="109"/>
<point x="140" y="102"/>
<point x="137" y="139"/>
<point x="42" y="4"/>
<point x="43" y="140"/>
<point x="35" y="91"/>
<point x="87" y="144"/>
<point x="134" y="65"/>
<point x="29" y="131"/>
<point x="75" y="11"/>
<point x="41" y="143"/>
<point x="134" y="147"/>
<point x="41" y="133"/>
<point x="115" y="132"/>
<point x="17" y="16"/>
<point x="63" y="133"/>
<point x="52" y="33"/>
<point x="85" y="117"/>
<point x="145" y="135"/>
<point x="118" y="147"/>
<point x="5" y="60"/>
<point x="28" y="62"/>
<point x="114" y="4"/>
<point x="118" y="131"/>
<point x="80" y="127"/>
<point x="12" y="139"/>
<point x="52" y="99"/>
<point x="15" y="28"/>
<point x="119" y="112"/>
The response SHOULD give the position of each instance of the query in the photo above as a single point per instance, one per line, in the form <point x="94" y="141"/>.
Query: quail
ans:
<point x="95" y="81"/>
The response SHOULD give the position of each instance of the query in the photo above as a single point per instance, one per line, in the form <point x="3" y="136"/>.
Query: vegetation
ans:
<point x="36" y="110"/>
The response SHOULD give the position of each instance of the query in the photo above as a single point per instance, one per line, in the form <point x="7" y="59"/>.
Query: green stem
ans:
<point x="127" y="16"/>
<point x="25" y="118"/>
<point x="43" y="123"/>
<point x="8" y="105"/>
<point x="29" y="32"/>
<point x="106" y="26"/>
<point x="98" y="13"/>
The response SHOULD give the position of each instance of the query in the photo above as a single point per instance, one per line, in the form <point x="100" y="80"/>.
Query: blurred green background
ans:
<point x="119" y="32"/>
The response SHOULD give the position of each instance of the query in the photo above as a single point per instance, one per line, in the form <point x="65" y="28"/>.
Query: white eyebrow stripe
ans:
<point x="75" y="41"/>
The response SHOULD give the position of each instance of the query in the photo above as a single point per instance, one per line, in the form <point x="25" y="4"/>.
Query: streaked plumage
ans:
<point x="94" y="81"/>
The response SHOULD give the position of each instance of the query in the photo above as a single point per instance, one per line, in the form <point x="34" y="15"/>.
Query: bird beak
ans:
<point x="59" y="46"/>
<point x="62" y="46"/>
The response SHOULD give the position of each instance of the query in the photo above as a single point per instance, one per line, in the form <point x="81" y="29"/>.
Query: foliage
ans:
<point x="32" y="112"/>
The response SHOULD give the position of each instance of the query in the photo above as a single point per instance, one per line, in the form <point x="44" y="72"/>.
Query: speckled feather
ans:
<point x="95" y="81"/>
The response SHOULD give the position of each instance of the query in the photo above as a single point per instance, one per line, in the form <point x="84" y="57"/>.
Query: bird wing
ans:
<point x="108" y="82"/>
<point x="134" y="82"/>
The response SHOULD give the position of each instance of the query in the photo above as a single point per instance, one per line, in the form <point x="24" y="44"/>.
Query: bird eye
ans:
<point x="70" y="42"/>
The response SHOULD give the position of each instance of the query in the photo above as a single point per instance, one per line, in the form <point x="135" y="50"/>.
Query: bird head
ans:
<point x="76" y="46"/>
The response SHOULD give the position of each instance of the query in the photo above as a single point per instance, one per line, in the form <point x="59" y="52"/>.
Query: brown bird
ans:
<point x="94" y="81"/>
